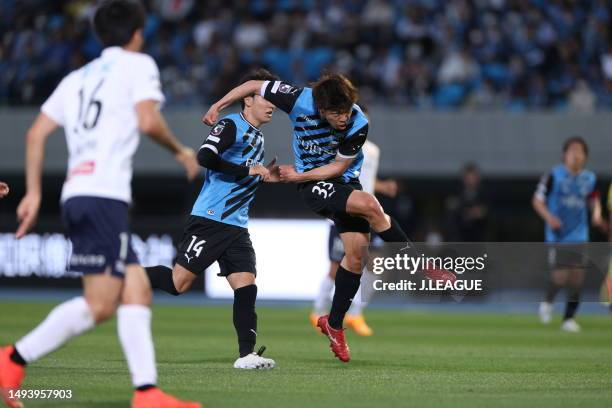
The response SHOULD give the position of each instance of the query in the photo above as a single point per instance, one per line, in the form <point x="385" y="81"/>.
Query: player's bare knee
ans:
<point x="181" y="282"/>
<point x="102" y="310"/>
<point x="353" y="259"/>
<point x="137" y="296"/>
<point x="373" y="209"/>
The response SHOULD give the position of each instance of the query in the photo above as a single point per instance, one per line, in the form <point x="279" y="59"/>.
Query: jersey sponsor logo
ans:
<point x="87" y="260"/>
<point x="313" y="147"/>
<point x="253" y="162"/>
<point x="86" y="167"/>
<point x="216" y="131"/>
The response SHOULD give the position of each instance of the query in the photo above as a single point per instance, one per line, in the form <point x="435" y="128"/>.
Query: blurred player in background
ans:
<point x="101" y="108"/>
<point x="468" y="210"/>
<point x="329" y="131"/>
<point x="4" y="189"/>
<point x="371" y="184"/>
<point x="217" y="230"/>
<point x="562" y="199"/>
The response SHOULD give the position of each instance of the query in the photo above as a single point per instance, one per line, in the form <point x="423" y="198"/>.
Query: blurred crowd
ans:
<point x="443" y="54"/>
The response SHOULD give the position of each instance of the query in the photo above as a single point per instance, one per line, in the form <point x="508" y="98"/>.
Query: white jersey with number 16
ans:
<point x="96" y="106"/>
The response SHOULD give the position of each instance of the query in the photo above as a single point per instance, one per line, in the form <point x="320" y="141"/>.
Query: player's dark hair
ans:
<point x="334" y="92"/>
<point x="116" y="21"/>
<point x="576" y="140"/>
<point x="258" y="74"/>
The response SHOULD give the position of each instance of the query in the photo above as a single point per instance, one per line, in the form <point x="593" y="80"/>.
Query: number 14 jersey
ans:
<point x="96" y="106"/>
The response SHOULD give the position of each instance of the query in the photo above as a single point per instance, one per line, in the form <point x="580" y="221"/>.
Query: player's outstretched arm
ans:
<point x="37" y="135"/>
<point x="242" y="91"/>
<point x="327" y="172"/>
<point x="152" y="123"/>
<point x="4" y="189"/>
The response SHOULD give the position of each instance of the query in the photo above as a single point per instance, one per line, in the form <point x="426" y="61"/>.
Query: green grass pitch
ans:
<point x="414" y="359"/>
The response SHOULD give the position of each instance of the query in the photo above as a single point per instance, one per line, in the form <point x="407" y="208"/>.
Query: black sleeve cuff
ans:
<point x="207" y="158"/>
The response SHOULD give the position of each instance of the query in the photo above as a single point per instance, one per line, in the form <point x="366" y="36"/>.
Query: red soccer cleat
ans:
<point x="156" y="398"/>
<point x="337" y="343"/>
<point x="11" y="377"/>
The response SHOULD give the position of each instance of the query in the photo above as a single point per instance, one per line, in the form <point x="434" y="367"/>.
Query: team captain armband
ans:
<point x="352" y="144"/>
<point x="281" y="94"/>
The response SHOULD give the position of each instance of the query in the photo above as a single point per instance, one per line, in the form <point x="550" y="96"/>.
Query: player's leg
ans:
<point x="244" y="316"/>
<point x="354" y="317"/>
<point x="174" y="281"/>
<point x="348" y="276"/>
<point x="66" y="321"/>
<point x="134" y="330"/>
<point x="354" y="232"/>
<point x="365" y="205"/>
<point x="237" y="264"/>
<point x="202" y="243"/>
<point x="574" y="286"/>
<point x="556" y="282"/>
<point x="335" y="251"/>
<point x="322" y="300"/>
<point x="91" y="255"/>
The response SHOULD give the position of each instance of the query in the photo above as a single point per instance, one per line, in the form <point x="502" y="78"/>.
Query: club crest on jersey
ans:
<point x="285" y="88"/>
<point x="216" y="131"/>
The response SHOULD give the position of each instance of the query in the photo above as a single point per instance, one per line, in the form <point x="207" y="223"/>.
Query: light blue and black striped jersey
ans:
<point x="567" y="195"/>
<point x="226" y="198"/>
<point x="315" y="142"/>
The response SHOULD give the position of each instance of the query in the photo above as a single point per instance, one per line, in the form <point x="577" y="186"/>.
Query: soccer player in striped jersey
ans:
<point x="101" y="108"/>
<point x="372" y="184"/>
<point x="217" y="230"/>
<point x="329" y="131"/>
<point x="562" y="199"/>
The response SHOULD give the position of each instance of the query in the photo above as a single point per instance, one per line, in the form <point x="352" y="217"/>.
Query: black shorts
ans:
<point x="99" y="231"/>
<point x="567" y="256"/>
<point x="328" y="199"/>
<point x="206" y="241"/>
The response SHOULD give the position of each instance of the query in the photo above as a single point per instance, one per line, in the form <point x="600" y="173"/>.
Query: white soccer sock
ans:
<point x="66" y="321"/>
<point x="321" y="303"/>
<point x="134" y="328"/>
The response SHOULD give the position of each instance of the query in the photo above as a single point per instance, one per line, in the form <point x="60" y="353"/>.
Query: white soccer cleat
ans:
<point x="255" y="361"/>
<point x="570" y="326"/>
<point x="545" y="312"/>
